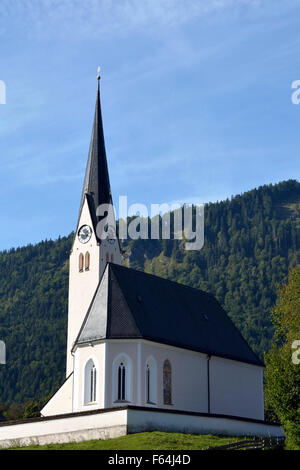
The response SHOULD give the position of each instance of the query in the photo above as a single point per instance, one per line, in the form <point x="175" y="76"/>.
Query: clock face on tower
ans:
<point x="84" y="234"/>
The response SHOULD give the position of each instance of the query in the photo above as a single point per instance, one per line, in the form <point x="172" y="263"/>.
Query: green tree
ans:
<point x="283" y="370"/>
<point x="32" y="409"/>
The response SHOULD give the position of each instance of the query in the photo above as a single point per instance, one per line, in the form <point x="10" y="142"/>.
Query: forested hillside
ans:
<point x="250" y="241"/>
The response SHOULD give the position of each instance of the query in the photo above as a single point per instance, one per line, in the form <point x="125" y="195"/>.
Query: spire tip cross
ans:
<point x="98" y="73"/>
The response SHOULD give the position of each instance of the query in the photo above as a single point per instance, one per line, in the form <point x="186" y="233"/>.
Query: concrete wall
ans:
<point x="64" y="429"/>
<point x="144" y="420"/>
<point x="106" y="424"/>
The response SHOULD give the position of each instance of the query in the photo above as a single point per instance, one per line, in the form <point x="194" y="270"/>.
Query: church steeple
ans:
<point x="96" y="182"/>
<point x="90" y="253"/>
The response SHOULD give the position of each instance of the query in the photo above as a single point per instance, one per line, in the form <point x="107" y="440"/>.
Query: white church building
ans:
<point x="143" y="352"/>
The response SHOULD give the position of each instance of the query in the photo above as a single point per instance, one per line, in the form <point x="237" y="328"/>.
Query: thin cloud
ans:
<point x="98" y="17"/>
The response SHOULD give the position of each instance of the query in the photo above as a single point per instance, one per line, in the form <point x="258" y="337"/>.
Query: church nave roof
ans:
<point x="134" y="304"/>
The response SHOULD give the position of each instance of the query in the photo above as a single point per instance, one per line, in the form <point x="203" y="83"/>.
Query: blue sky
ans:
<point x="196" y="102"/>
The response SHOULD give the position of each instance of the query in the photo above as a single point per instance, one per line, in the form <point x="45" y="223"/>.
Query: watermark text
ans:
<point x="296" y="354"/>
<point x="2" y="92"/>
<point x="2" y="352"/>
<point x="165" y="221"/>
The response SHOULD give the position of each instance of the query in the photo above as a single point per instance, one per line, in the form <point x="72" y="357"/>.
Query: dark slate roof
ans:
<point x="133" y="304"/>
<point x="96" y="182"/>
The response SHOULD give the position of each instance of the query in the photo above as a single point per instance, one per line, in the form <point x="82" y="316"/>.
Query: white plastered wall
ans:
<point x="82" y="285"/>
<point x="189" y="382"/>
<point x="114" y="254"/>
<point x="114" y="348"/>
<point x="236" y="388"/>
<point x="82" y="355"/>
<point x="61" y="401"/>
<point x="189" y="378"/>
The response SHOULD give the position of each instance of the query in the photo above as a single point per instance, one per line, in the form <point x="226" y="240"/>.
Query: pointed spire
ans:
<point x="96" y="182"/>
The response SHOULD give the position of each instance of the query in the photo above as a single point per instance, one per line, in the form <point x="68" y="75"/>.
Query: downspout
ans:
<point x="73" y="385"/>
<point x="208" y="384"/>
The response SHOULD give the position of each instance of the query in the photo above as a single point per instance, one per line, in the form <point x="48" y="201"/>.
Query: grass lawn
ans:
<point x="145" y="441"/>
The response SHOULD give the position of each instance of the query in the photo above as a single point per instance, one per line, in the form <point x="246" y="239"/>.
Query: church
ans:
<point x="143" y="352"/>
<point x="140" y="339"/>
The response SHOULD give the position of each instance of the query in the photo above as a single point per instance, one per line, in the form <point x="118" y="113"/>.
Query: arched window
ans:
<point x="87" y="261"/>
<point x="122" y="379"/>
<point x="112" y="258"/>
<point x="151" y="381"/>
<point x="90" y="383"/>
<point x="81" y="261"/>
<point x="167" y="382"/>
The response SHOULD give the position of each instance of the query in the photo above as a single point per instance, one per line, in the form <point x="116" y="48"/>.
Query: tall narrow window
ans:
<point x="87" y="261"/>
<point x="122" y="384"/>
<point x="121" y="381"/>
<point x="151" y="381"/>
<point x="167" y="382"/>
<point x="90" y="383"/>
<point x="112" y="258"/>
<point x="93" y="384"/>
<point x="81" y="261"/>
<point x="148" y="376"/>
<point x="107" y="257"/>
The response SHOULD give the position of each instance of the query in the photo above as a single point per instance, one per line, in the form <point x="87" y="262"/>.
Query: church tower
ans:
<point x="90" y="252"/>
